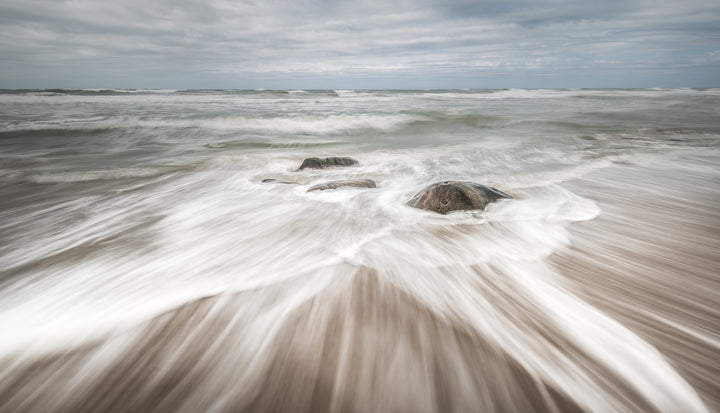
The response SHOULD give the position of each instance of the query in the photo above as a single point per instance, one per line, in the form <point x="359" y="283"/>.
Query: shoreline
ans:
<point x="650" y="261"/>
<point x="505" y="334"/>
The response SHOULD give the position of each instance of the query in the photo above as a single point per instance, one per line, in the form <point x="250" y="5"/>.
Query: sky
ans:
<point x="359" y="44"/>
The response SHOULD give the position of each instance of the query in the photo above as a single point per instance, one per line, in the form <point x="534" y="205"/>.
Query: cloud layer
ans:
<point x="359" y="43"/>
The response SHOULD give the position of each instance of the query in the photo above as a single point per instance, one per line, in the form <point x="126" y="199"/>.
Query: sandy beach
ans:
<point x="347" y="338"/>
<point x="651" y="261"/>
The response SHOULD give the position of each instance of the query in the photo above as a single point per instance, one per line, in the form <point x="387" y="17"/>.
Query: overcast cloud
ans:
<point x="359" y="43"/>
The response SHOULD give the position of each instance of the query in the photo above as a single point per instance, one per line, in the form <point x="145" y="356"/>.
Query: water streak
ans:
<point x="145" y="266"/>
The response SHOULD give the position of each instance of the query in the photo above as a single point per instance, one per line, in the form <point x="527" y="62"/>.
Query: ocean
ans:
<point x="146" y="266"/>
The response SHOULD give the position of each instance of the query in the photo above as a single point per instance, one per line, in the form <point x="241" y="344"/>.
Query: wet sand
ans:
<point x="651" y="261"/>
<point x="354" y="338"/>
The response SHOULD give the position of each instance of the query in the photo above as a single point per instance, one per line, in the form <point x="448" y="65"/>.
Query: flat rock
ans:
<point x="322" y="163"/>
<point x="348" y="183"/>
<point x="277" y="181"/>
<point x="447" y="196"/>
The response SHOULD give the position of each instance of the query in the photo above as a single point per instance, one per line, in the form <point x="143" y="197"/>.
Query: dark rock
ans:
<point x="322" y="163"/>
<point x="447" y="196"/>
<point x="277" y="181"/>
<point x="354" y="183"/>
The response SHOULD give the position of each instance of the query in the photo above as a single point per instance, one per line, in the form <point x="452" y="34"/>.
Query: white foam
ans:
<point x="298" y="124"/>
<point x="86" y="176"/>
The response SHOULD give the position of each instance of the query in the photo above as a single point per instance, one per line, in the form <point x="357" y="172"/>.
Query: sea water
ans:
<point x="145" y="266"/>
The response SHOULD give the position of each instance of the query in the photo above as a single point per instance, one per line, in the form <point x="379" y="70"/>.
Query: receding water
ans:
<point x="144" y="266"/>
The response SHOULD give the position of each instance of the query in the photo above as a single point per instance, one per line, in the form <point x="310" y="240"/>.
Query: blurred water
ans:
<point x="144" y="266"/>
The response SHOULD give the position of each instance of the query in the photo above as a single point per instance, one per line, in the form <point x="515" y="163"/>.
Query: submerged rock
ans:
<point x="354" y="183"/>
<point x="322" y="163"/>
<point x="277" y="181"/>
<point x="447" y="196"/>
